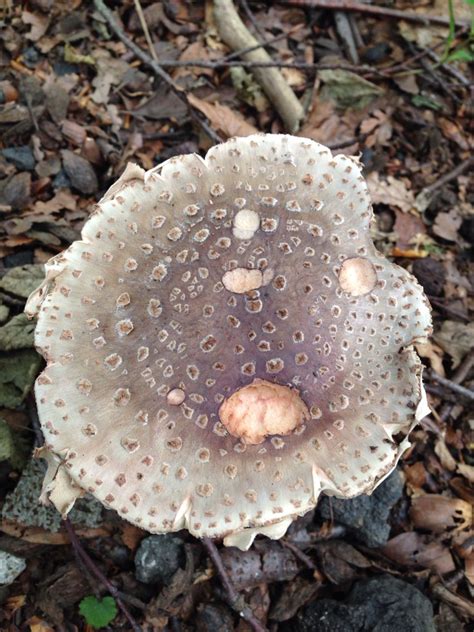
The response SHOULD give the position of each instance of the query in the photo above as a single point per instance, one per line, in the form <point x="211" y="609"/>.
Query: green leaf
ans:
<point x="14" y="447"/>
<point x="18" y="333"/>
<point x="421" y="101"/>
<point x="347" y="89"/>
<point x="98" y="613"/>
<point x="461" y="55"/>
<point x="22" y="280"/>
<point x="18" y="371"/>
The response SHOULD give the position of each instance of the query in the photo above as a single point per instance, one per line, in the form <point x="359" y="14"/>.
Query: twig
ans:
<point x="466" y="393"/>
<point x="156" y="67"/>
<point x="456" y="601"/>
<point x="236" y="35"/>
<point x="459" y="376"/>
<point x="299" y="554"/>
<point x="84" y="557"/>
<point x="251" y="18"/>
<point x="236" y="601"/>
<point x="425" y="196"/>
<point x="263" y="44"/>
<point x="376" y="11"/>
<point x="448" y="310"/>
<point x="144" y="25"/>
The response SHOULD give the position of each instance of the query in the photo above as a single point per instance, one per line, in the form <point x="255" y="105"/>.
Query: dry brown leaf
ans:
<point x="411" y="549"/>
<point x="391" y="191"/>
<point x="444" y="455"/>
<point x="446" y="225"/>
<point x="222" y="118"/>
<point x="39" y="25"/>
<point x="415" y="475"/>
<point x="36" y="535"/>
<point x="408" y="229"/>
<point x="38" y="625"/>
<point x="378" y="127"/>
<point x="432" y="352"/>
<point x="196" y="50"/>
<point x="456" y="339"/>
<point x="439" y="513"/>
<point x="131" y="535"/>
<point x="453" y="131"/>
<point x="467" y="471"/>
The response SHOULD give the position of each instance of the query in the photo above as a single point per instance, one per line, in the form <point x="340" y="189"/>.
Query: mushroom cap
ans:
<point x="144" y="341"/>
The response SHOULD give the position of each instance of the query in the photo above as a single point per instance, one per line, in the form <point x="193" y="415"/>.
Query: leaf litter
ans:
<point x="75" y="106"/>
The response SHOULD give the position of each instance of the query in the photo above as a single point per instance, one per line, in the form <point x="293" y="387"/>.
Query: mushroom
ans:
<point x="225" y="343"/>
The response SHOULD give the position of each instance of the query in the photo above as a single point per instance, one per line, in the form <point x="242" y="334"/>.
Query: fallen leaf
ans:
<point x="38" y="625"/>
<point x="446" y="225"/>
<point x="22" y="280"/>
<point x="18" y="333"/>
<point x="407" y="228"/>
<point x="411" y="549"/>
<point x="347" y="89"/>
<point x="455" y="338"/>
<point x="39" y="25"/>
<point x="467" y="471"/>
<point x="440" y="514"/>
<point x="433" y="353"/>
<point x="444" y="455"/>
<point x="222" y="118"/>
<point x="391" y="191"/>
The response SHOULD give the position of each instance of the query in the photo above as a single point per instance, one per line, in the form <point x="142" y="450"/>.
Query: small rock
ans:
<point x="16" y="192"/>
<point x="80" y="172"/>
<point x="10" y="567"/>
<point x="366" y="516"/>
<point x="158" y="558"/>
<point x="379" y="604"/>
<point x="22" y="157"/>
<point x="23" y="507"/>
<point x="212" y="617"/>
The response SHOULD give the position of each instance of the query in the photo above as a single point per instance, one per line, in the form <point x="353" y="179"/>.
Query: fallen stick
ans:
<point x="376" y="11"/>
<point x="236" y="35"/>
<point x="236" y="601"/>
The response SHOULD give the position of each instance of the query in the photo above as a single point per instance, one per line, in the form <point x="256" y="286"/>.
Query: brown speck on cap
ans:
<point x="225" y="343"/>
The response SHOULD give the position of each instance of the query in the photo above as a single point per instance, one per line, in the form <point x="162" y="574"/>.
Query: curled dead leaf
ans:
<point x="440" y="514"/>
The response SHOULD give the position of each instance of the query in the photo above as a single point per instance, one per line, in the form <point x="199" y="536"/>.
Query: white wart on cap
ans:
<point x="225" y="343"/>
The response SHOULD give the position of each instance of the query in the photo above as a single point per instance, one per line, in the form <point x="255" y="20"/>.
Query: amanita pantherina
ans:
<point x="225" y="343"/>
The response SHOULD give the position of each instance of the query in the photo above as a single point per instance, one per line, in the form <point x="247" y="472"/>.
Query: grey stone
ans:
<point x="23" y="507"/>
<point x="158" y="557"/>
<point x="22" y="157"/>
<point x="366" y="517"/>
<point x="10" y="567"/>
<point x="379" y="604"/>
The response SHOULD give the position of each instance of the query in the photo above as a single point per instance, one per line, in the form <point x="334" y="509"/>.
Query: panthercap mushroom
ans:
<point x="225" y="343"/>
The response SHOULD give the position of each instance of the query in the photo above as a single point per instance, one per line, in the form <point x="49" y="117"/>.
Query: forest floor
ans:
<point x="83" y="93"/>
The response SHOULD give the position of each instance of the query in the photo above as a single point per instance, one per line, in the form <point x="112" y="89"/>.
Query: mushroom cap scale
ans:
<point x="136" y="316"/>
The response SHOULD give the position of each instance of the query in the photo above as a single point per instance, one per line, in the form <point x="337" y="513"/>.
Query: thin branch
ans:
<point x="89" y="564"/>
<point x="144" y="25"/>
<point x="458" y="377"/>
<point x="466" y="393"/>
<point x="236" y="600"/>
<point x="156" y="67"/>
<point x="375" y="10"/>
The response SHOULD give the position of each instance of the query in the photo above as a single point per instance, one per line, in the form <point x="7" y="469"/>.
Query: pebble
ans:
<point x="366" y="517"/>
<point x="10" y="567"/>
<point x="158" y="557"/>
<point x="22" y="157"/>
<point x="380" y="604"/>
<point x="80" y="172"/>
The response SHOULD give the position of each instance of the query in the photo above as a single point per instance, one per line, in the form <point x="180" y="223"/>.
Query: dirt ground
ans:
<point x="83" y="91"/>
